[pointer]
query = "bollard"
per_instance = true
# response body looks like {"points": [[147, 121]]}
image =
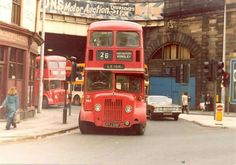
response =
{"points": [[219, 113]]}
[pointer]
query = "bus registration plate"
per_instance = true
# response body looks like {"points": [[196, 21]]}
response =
{"points": [[114, 66], [113, 125]]}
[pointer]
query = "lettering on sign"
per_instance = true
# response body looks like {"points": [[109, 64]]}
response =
{"points": [[124, 55], [103, 10], [104, 55], [114, 66]]}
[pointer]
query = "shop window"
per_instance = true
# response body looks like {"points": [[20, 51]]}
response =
{"points": [[31, 78], [1, 53], [13, 55], [32, 67], [16, 12], [16, 67], [12, 71]]}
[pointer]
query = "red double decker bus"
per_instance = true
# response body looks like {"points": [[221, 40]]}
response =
{"points": [[53, 79], [114, 95]]}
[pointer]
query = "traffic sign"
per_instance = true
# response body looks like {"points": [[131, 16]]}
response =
{"points": [[68, 68]]}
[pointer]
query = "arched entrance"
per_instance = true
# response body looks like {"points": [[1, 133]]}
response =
{"points": [[176, 63], [168, 56]]}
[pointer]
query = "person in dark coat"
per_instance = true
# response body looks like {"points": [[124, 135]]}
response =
{"points": [[207, 102], [11, 103]]}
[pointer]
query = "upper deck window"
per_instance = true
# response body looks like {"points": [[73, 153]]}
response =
{"points": [[127, 39], [101, 39]]}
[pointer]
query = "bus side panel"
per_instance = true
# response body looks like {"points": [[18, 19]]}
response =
{"points": [[140, 113]]}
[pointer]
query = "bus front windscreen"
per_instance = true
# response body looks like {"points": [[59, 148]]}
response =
{"points": [[99, 80], [128, 83], [127, 39]]}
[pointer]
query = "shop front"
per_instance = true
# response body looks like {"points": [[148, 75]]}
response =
{"points": [[18, 50]]}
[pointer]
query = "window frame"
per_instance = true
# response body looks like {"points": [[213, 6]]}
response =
{"points": [[16, 64], [16, 12]]}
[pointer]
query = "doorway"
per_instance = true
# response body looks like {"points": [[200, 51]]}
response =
{"points": [[167, 86]]}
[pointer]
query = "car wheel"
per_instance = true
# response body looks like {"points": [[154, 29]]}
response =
{"points": [[150, 116], [176, 117], [140, 129]]}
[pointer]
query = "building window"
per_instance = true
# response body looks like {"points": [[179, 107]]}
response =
{"points": [[31, 78], [16, 66], [172, 52], [16, 12]]}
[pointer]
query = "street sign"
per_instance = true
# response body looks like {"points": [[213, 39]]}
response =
{"points": [[68, 68]]}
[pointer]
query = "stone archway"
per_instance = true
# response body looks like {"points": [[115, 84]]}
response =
{"points": [[172, 37], [155, 40]]}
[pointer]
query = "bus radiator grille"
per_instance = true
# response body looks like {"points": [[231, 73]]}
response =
{"points": [[112, 110]]}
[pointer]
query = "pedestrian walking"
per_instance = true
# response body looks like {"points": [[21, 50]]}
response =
{"points": [[207, 102], [185, 103], [11, 103]]}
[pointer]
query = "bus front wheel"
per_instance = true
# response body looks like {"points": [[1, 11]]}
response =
{"points": [[82, 127], [85, 127], [140, 129]]}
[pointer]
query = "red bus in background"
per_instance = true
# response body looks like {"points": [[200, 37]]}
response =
{"points": [[53, 79], [114, 94]]}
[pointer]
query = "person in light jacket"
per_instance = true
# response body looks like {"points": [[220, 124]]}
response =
{"points": [[11, 103], [185, 103]]}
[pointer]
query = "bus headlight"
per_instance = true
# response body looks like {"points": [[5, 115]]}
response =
{"points": [[97, 107], [128, 109], [127, 123]]}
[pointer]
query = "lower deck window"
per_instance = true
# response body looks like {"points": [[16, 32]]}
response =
{"points": [[99, 80], [128, 83]]}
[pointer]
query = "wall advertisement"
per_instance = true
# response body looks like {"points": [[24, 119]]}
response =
{"points": [[104, 10]]}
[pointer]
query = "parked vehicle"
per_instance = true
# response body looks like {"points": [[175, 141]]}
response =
{"points": [[77, 91], [53, 80], [162, 106], [76, 87]]}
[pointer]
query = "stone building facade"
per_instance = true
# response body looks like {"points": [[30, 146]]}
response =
{"points": [[198, 27]]}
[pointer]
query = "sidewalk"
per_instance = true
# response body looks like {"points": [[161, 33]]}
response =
{"points": [[49, 122], [206, 119]]}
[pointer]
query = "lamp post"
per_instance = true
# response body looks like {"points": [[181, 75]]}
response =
{"points": [[223, 55], [40, 98]]}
